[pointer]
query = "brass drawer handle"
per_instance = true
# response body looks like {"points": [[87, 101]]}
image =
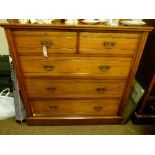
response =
{"points": [[54, 107], [47, 43], [51, 90], [97, 108], [100, 90], [104, 68], [48, 67], [109, 45]]}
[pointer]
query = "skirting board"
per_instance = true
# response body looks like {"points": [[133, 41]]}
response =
{"points": [[73, 120]]}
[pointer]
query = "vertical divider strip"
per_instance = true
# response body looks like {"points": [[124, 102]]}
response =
{"points": [[78, 42]]}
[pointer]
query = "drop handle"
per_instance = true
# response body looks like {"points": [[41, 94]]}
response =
{"points": [[100, 90], [54, 107], [104, 68], [97, 108], [47, 43], [48, 67], [51, 90], [109, 44]]}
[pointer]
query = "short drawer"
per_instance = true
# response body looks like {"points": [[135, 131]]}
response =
{"points": [[105, 67], [56, 42], [109, 43], [106, 107], [73, 88]]}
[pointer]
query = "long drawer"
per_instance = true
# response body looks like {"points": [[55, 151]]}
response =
{"points": [[56, 42], [105, 67], [106, 107], [73, 88]]}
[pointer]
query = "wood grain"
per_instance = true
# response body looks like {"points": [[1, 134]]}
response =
{"points": [[73, 88], [87, 76], [107, 107], [98, 43], [76, 66]]}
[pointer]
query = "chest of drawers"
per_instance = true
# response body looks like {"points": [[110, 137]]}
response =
{"points": [[87, 76]]}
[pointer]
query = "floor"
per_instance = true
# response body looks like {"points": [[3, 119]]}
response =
{"points": [[10, 127]]}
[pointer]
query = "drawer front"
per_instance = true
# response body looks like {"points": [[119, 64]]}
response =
{"points": [[56, 42], [106, 107], [105, 67], [128, 35], [73, 88], [109, 43]]}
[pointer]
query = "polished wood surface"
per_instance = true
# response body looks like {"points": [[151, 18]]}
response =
{"points": [[83, 120], [108, 43], [45, 33], [60, 42], [36, 42], [73, 88], [106, 34], [76, 66], [59, 108], [87, 76], [80, 27]]}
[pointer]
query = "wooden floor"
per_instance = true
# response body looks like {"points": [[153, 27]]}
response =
{"points": [[10, 127]]}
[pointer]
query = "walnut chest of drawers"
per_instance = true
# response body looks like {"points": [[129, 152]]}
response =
{"points": [[86, 76]]}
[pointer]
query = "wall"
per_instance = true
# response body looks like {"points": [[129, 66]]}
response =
{"points": [[4, 50]]}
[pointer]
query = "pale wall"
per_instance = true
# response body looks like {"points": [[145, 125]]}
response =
{"points": [[4, 50]]}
